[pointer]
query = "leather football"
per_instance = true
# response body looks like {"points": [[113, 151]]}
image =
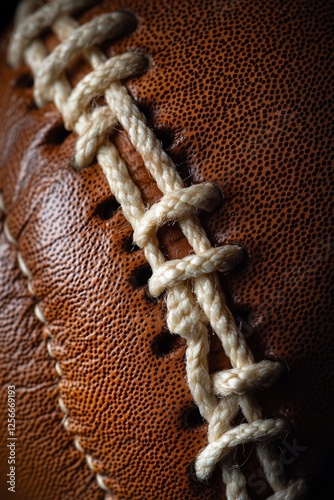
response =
{"points": [[166, 249]]}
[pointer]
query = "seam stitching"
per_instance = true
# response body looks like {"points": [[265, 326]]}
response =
{"points": [[40, 316], [191, 284]]}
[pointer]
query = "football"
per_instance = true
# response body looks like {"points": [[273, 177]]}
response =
{"points": [[166, 250]]}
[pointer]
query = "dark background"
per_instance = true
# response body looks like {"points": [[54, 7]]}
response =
{"points": [[7, 11]]}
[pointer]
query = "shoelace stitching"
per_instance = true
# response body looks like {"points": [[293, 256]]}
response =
{"points": [[191, 283]]}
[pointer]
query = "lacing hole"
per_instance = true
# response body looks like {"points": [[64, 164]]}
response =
{"points": [[147, 110], [192, 418], [291, 429], [285, 377], [131, 21], [217, 201], [246, 257], [141, 276], [166, 137], [129, 246], [172, 142], [32, 105], [167, 343], [57, 135], [24, 81], [107, 209], [243, 317]]}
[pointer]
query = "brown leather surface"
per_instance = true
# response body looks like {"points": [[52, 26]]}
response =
{"points": [[239, 93], [43, 449]]}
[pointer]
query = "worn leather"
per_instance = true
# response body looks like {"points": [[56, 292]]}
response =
{"points": [[239, 93]]}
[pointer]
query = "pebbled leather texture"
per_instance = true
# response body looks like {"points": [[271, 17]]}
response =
{"points": [[239, 94]]}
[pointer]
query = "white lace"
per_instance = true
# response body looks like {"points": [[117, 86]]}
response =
{"points": [[191, 283]]}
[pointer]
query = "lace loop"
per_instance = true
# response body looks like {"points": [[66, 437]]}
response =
{"points": [[176, 205], [245, 433], [238, 381], [173, 272], [98, 81], [31, 27], [98, 30]]}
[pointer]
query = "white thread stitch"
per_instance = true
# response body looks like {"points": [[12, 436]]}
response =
{"points": [[39, 314], [49, 348], [62, 406], [2, 205], [101, 483], [77, 444], [47, 331], [183, 304], [30, 289], [65, 423], [22, 265], [8, 235], [90, 462], [58, 369]]}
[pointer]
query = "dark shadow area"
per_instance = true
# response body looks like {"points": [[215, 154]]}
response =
{"points": [[7, 11]]}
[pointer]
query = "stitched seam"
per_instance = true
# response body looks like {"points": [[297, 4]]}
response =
{"points": [[40, 316], [191, 283]]}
